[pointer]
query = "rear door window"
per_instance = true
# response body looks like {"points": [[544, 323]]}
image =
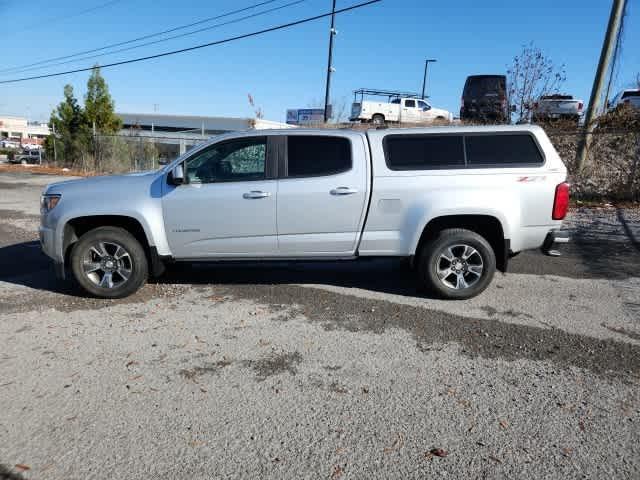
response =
{"points": [[500, 150], [423, 152], [315, 155], [410, 103]]}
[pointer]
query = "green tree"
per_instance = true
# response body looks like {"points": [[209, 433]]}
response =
{"points": [[99, 106], [71, 132]]}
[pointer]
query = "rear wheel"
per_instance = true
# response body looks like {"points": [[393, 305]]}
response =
{"points": [[377, 119], [109, 262], [456, 264]]}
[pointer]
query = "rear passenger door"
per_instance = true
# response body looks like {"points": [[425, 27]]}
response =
{"points": [[322, 192]]}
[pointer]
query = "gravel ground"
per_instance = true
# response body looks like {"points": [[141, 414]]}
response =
{"points": [[340, 370]]}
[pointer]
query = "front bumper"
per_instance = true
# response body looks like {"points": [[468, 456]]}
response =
{"points": [[552, 240], [47, 243]]}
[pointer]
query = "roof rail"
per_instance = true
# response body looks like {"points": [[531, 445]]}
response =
{"points": [[385, 93]]}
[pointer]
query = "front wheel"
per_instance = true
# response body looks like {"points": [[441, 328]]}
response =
{"points": [[109, 262], [456, 264]]}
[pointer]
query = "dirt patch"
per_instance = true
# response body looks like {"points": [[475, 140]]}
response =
{"points": [[44, 170], [13, 185], [7, 473], [207, 369], [66, 297], [16, 227], [623, 331], [492, 312], [274, 364], [487, 338]]}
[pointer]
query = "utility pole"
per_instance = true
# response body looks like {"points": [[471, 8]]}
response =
{"points": [[330, 68], [55, 152], [615, 19], [426, 67]]}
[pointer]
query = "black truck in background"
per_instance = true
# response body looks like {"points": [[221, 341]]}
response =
{"points": [[485, 99]]}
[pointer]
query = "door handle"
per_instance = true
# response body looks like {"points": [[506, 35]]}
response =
{"points": [[254, 194], [343, 191]]}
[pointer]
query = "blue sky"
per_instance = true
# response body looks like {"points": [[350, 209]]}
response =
{"points": [[380, 46]]}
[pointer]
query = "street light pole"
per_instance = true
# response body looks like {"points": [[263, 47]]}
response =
{"points": [[332, 33], [426, 67]]}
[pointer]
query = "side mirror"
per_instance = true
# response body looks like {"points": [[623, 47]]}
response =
{"points": [[176, 177], [426, 109], [512, 108]]}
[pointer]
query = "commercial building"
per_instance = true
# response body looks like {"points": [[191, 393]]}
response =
{"points": [[19, 129], [175, 134]]}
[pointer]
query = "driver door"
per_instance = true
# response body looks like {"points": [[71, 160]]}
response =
{"points": [[227, 206], [425, 111], [410, 113]]}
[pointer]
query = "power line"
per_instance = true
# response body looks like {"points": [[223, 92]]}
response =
{"points": [[217, 25], [196, 47], [144, 37]]}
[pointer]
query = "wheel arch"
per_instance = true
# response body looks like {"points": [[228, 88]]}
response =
{"points": [[488, 226], [75, 227]]}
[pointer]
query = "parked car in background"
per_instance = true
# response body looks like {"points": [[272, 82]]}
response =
{"points": [[485, 98], [9, 144], [28, 156], [557, 106], [629, 96], [456, 202], [31, 146], [399, 110]]}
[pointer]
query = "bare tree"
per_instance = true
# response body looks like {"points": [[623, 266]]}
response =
{"points": [[339, 108], [257, 110], [532, 75]]}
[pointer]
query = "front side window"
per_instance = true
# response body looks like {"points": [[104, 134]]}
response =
{"points": [[423, 105], [410, 103], [315, 155], [234, 161]]}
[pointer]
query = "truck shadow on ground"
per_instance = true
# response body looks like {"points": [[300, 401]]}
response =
{"points": [[25, 264]]}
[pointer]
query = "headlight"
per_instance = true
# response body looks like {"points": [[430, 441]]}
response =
{"points": [[48, 202]]}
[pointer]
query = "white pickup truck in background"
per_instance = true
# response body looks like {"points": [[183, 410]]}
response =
{"points": [[400, 110], [629, 97], [555, 107]]}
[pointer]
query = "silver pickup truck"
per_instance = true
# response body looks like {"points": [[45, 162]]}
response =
{"points": [[456, 201]]}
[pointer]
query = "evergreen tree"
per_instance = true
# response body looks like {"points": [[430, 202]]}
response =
{"points": [[71, 132], [99, 106]]}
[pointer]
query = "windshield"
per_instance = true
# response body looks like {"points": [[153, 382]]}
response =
{"points": [[485, 86]]}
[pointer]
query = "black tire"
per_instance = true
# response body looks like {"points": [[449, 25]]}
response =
{"points": [[377, 119], [85, 256], [431, 261]]}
